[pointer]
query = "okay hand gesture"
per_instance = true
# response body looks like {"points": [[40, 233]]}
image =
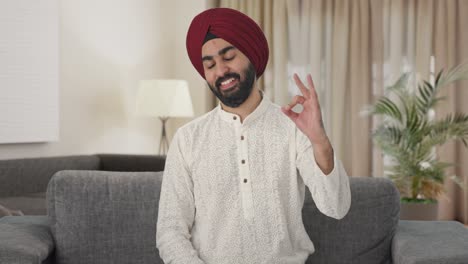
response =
{"points": [[309, 121]]}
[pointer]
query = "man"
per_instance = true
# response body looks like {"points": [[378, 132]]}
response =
{"points": [[234, 181]]}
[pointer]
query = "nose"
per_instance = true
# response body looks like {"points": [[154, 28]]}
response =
{"points": [[221, 69]]}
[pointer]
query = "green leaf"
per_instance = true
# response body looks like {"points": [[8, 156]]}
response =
{"points": [[438, 77], [408, 200], [408, 137], [386, 107]]}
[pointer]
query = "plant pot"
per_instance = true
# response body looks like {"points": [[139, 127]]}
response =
{"points": [[418, 211]]}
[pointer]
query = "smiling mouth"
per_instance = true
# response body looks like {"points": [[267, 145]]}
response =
{"points": [[230, 90], [228, 84]]}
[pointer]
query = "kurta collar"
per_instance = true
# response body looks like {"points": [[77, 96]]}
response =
{"points": [[233, 118]]}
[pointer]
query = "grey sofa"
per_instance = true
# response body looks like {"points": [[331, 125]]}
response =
{"points": [[23, 182], [110, 217]]}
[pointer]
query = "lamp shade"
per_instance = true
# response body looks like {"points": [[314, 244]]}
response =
{"points": [[164, 98]]}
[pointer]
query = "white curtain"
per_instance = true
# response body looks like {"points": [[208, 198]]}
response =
{"points": [[332, 41]]}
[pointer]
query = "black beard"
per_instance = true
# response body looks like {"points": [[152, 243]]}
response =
{"points": [[238, 97]]}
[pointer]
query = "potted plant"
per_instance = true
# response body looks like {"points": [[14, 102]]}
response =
{"points": [[408, 135]]}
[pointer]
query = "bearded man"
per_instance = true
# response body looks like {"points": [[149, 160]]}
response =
{"points": [[234, 181]]}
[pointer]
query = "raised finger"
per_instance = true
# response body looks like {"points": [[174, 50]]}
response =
{"points": [[313, 91], [301, 86]]}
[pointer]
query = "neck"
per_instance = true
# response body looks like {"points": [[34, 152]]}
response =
{"points": [[247, 107]]}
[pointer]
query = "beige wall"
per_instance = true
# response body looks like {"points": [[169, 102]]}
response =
{"points": [[183, 12], [106, 47]]}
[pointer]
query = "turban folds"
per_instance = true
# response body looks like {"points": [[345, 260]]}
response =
{"points": [[234, 27]]}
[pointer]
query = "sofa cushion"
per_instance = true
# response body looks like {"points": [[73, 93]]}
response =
{"points": [[25, 239], [104, 217], [364, 235], [430, 242]]}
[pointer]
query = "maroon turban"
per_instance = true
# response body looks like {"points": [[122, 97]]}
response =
{"points": [[232, 26]]}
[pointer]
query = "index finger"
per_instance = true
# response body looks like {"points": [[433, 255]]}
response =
{"points": [[313, 91], [301, 86]]}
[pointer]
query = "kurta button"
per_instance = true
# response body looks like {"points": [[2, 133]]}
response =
{"points": [[242, 137], [243, 161], [234, 117], [245, 180]]}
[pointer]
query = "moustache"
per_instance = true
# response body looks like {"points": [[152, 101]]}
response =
{"points": [[226, 77]]}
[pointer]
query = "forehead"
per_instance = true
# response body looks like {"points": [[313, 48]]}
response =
{"points": [[213, 46]]}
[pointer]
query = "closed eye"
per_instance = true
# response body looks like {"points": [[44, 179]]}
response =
{"points": [[226, 59]]}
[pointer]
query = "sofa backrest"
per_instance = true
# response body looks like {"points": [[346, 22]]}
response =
{"points": [[364, 235], [31, 175], [110, 217], [104, 217]]}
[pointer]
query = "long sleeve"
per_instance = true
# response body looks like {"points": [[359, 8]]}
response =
{"points": [[331, 193], [176, 209]]}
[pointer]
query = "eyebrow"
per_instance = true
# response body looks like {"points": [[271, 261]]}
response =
{"points": [[221, 52]]}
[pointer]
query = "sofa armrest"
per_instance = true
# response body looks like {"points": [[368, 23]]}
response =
{"points": [[430, 242], [131, 162], [25, 239]]}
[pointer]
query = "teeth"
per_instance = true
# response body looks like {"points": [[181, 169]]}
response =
{"points": [[227, 81]]}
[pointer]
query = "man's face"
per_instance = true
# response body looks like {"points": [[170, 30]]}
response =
{"points": [[228, 72]]}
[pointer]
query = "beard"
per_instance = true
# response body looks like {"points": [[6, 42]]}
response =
{"points": [[239, 94]]}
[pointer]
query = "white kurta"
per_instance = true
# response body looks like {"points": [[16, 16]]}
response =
{"points": [[233, 192]]}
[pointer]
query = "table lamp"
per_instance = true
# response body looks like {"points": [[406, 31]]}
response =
{"points": [[164, 99]]}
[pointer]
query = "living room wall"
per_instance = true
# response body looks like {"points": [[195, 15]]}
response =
{"points": [[106, 47]]}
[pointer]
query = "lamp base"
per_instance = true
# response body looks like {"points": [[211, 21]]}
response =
{"points": [[163, 143]]}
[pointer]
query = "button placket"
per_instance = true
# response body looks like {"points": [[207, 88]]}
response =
{"points": [[245, 183], [243, 147]]}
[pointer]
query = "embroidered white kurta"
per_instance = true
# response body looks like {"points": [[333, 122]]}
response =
{"points": [[233, 192]]}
